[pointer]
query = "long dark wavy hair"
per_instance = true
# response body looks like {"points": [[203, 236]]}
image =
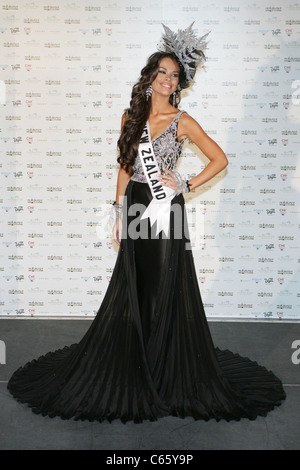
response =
{"points": [[138, 112]]}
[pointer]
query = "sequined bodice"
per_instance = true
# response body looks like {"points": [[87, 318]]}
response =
{"points": [[167, 150]]}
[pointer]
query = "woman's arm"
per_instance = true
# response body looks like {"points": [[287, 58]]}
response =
{"points": [[122, 182], [123, 177], [188, 127]]}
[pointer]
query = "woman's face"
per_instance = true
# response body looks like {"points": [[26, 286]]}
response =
{"points": [[167, 78]]}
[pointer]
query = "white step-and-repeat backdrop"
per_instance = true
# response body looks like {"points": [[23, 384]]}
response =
{"points": [[67, 69]]}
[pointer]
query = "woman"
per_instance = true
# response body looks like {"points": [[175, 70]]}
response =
{"points": [[149, 352]]}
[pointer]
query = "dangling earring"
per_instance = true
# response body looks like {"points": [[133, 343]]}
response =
{"points": [[148, 92], [174, 99]]}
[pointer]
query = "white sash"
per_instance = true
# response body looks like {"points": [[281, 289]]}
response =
{"points": [[159, 208]]}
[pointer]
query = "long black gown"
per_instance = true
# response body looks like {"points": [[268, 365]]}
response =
{"points": [[148, 353]]}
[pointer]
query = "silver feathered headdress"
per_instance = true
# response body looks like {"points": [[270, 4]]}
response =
{"points": [[187, 48]]}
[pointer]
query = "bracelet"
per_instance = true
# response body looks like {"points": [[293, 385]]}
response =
{"points": [[117, 206], [117, 209], [188, 185]]}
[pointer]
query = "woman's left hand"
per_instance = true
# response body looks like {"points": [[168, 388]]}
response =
{"points": [[174, 180], [169, 179]]}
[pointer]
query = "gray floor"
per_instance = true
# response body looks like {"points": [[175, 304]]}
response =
{"points": [[268, 343]]}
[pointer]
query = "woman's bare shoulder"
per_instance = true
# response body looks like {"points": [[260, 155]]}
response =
{"points": [[186, 124], [186, 119]]}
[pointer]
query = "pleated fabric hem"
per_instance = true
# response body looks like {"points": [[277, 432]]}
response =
{"points": [[252, 380]]}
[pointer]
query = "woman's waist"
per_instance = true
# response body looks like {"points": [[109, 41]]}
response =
{"points": [[140, 177]]}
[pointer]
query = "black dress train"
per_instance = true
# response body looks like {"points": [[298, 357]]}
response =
{"points": [[148, 353]]}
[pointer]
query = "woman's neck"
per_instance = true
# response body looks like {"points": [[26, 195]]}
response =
{"points": [[160, 105]]}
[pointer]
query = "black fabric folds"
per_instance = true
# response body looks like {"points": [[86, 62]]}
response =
{"points": [[148, 353]]}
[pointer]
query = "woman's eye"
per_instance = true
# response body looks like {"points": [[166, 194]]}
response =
{"points": [[176, 75]]}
